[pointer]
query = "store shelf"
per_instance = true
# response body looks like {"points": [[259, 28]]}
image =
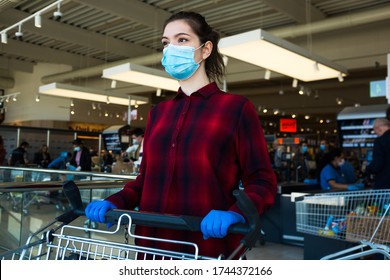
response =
{"points": [[361, 136], [356, 128], [357, 132], [352, 127], [358, 145]]}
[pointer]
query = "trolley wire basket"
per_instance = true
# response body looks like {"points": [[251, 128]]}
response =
{"points": [[61, 241], [360, 217]]}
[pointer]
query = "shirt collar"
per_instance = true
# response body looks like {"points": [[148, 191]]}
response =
{"points": [[206, 91]]}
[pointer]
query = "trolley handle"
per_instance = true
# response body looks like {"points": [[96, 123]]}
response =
{"points": [[185, 222], [251, 230]]}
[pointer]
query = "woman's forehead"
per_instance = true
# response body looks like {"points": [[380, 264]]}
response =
{"points": [[176, 28]]}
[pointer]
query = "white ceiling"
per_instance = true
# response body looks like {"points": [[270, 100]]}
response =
{"points": [[94, 34]]}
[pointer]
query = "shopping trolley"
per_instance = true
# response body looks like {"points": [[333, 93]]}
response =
{"points": [[65, 241], [360, 217]]}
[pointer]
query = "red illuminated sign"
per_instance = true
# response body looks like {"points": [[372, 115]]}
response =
{"points": [[288, 125]]}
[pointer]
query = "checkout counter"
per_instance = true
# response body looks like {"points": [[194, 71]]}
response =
{"points": [[279, 223]]}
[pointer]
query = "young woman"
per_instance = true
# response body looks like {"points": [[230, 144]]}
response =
{"points": [[42, 158], [197, 147]]}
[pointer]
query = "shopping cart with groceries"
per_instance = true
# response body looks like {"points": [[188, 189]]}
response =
{"points": [[59, 240], [361, 217]]}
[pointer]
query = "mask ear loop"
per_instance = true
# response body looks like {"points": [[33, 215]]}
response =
{"points": [[201, 46]]}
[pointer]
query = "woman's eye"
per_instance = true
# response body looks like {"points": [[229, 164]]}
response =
{"points": [[164, 43], [182, 40]]}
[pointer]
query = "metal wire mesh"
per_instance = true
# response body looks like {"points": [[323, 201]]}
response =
{"points": [[350, 216], [33, 250], [73, 243]]}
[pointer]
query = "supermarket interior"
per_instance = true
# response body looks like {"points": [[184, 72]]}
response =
{"points": [[81, 77]]}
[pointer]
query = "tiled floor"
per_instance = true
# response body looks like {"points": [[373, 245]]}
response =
{"points": [[275, 251]]}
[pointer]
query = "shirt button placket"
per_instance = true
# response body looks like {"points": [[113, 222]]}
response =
{"points": [[180, 122], [173, 149]]}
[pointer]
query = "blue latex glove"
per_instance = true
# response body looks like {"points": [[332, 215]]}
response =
{"points": [[70, 167], [355, 187], [217, 222], [96, 210], [360, 185], [310, 181]]}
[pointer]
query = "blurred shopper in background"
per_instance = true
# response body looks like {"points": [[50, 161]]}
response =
{"points": [[321, 157], [107, 161], [134, 151], [59, 163], [81, 158], [279, 165], [333, 175], [19, 156], [300, 162], [380, 164], [3, 152], [42, 158]]}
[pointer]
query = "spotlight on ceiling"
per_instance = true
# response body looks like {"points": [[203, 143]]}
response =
{"points": [[340, 77], [267, 74], [295, 83], [57, 14], [19, 33], [38, 21], [4, 38]]}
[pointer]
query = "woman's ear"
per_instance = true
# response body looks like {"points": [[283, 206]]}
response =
{"points": [[206, 50]]}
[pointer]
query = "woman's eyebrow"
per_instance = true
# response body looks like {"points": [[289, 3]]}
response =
{"points": [[177, 35]]}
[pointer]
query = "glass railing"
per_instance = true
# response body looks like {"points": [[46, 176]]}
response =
{"points": [[30, 198], [27, 174]]}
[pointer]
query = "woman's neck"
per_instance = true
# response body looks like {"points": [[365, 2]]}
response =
{"points": [[197, 81]]}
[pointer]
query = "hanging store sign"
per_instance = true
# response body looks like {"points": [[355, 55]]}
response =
{"points": [[288, 125]]}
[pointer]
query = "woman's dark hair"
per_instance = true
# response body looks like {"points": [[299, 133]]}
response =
{"points": [[215, 67], [388, 113]]}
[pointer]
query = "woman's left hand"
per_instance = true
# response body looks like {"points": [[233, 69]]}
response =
{"points": [[216, 223]]}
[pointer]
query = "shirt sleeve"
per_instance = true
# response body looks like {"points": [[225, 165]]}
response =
{"points": [[327, 174], [258, 178], [132, 149]]}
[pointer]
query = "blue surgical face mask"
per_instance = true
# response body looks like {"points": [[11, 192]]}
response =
{"points": [[77, 149], [179, 62], [135, 142], [304, 149], [322, 147]]}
